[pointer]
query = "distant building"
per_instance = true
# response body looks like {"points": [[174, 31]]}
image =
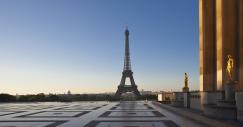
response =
{"points": [[165, 96], [142, 92]]}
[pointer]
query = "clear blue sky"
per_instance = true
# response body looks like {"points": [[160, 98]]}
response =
{"points": [[78, 45]]}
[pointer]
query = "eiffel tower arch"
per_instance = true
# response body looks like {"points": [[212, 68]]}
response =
{"points": [[127, 73]]}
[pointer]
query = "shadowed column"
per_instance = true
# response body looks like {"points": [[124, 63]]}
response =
{"points": [[207, 45], [240, 85], [227, 38]]}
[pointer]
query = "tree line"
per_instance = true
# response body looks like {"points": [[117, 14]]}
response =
{"points": [[41, 97]]}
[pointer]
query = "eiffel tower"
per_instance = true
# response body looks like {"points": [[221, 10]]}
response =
{"points": [[127, 72]]}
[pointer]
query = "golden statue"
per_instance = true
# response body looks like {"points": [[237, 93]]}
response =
{"points": [[230, 66], [186, 80], [185, 88]]}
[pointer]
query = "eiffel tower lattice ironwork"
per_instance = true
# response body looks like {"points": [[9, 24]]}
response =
{"points": [[127, 72]]}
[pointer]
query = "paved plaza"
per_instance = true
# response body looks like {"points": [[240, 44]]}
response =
{"points": [[90, 114]]}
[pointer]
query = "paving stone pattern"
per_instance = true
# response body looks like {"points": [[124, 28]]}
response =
{"points": [[88, 114]]}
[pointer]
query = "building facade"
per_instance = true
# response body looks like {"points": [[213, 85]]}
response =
{"points": [[221, 36]]}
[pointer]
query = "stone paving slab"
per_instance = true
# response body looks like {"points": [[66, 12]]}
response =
{"points": [[31, 123], [162, 123], [4, 113], [89, 114], [132, 114], [54, 114]]}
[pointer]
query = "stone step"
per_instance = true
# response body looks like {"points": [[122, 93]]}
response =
{"points": [[220, 112], [177, 103], [224, 103], [208, 122]]}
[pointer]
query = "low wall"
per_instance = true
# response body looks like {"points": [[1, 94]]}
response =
{"points": [[177, 99], [178, 96], [195, 100], [210, 97]]}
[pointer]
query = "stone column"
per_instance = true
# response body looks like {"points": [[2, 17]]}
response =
{"points": [[207, 45], [240, 85], [227, 38], [239, 93], [219, 44]]}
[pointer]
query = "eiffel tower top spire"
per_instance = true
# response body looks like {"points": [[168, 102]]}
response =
{"points": [[127, 61]]}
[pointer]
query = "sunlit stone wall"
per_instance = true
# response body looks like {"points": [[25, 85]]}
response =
{"points": [[220, 29]]}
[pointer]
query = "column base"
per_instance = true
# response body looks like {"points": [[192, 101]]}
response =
{"points": [[239, 104]]}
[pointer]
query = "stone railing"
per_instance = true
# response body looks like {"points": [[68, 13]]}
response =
{"points": [[195, 100]]}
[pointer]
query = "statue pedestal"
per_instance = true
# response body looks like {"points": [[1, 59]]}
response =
{"points": [[185, 89], [230, 91]]}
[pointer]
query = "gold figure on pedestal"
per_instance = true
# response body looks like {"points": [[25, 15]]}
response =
{"points": [[230, 84], [186, 80], [230, 67], [185, 88]]}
